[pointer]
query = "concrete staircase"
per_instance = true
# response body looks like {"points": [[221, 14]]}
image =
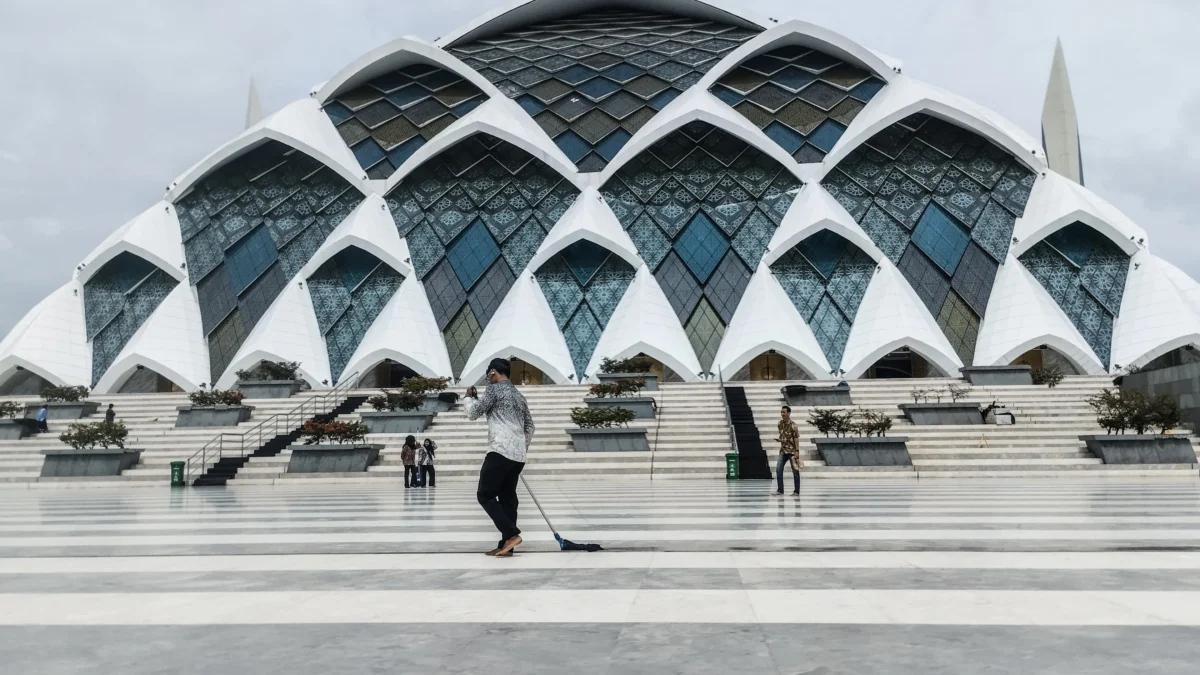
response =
{"points": [[1043, 443]]}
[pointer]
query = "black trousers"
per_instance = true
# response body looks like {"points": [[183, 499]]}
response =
{"points": [[428, 476], [411, 477], [497, 492]]}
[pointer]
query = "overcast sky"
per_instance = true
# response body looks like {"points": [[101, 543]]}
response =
{"points": [[106, 102]]}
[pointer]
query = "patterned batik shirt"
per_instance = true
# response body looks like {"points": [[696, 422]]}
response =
{"points": [[789, 442], [510, 426]]}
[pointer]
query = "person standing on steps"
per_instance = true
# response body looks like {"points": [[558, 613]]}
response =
{"points": [[110, 415], [426, 463], [510, 431], [789, 449], [41, 416], [408, 455]]}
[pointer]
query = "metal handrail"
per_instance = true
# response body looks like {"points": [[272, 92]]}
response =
{"points": [[728, 419], [227, 444]]}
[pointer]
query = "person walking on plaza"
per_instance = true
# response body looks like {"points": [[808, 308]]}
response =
{"points": [[110, 415], [408, 455], [789, 449], [426, 463], [510, 431]]}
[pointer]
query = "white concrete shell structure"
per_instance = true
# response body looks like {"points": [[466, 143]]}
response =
{"points": [[569, 180]]}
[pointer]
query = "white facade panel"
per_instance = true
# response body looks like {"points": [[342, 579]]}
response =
{"points": [[51, 340], [588, 218], [405, 332], [287, 332], [1056, 201], [1155, 316]]}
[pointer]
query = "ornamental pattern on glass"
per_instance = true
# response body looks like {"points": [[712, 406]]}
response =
{"points": [[389, 118], [941, 203], [473, 217], [826, 277], [1085, 273], [117, 300], [583, 285], [248, 227], [348, 293], [801, 98], [593, 80], [701, 206]]}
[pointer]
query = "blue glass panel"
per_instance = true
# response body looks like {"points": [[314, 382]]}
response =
{"points": [[338, 113], [249, 258], [368, 153], [793, 78], [867, 90], [612, 144], [785, 136], [623, 72], [472, 253], [402, 152], [584, 258], [597, 88], [832, 330], [1075, 241], [661, 100], [582, 334], [942, 239], [701, 246], [823, 250], [354, 264], [728, 95], [575, 74], [462, 109], [827, 135], [531, 104], [408, 95], [573, 145]]}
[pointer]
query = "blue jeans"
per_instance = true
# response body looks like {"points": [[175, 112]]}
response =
{"points": [[784, 462]]}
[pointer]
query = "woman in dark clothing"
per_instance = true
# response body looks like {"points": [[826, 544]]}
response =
{"points": [[408, 455], [427, 474]]}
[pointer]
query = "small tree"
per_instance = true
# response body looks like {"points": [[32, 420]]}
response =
{"points": [[823, 420], [1165, 413], [64, 394], [272, 371], [626, 386], [957, 393], [425, 385], [87, 436], [10, 409], [317, 432], [601, 418], [214, 397], [636, 364], [1110, 411], [1050, 377], [390, 401], [873, 423], [919, 395]]}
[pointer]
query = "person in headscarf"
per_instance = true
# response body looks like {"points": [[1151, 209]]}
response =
{"points": [[408, 455], [428, 478]]}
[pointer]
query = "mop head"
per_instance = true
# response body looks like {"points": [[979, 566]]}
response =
{"points": [[568, 545]]}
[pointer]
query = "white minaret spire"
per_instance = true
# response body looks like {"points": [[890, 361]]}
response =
{"points": [[253, 108], [1060, 125]]}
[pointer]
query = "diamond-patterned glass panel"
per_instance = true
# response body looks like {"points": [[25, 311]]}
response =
{"points": [[827, 299], [270, 203], [805, 111], [461, 335], [474, 216], [117, 300], [1089, 293], [705, 331], [934, 197], [597, 77], [961, 326], [348, 293]]}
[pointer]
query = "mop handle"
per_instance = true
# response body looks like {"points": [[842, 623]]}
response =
{"points": [[539, 506]]}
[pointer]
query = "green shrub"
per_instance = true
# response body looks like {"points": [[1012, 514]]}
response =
{"points": [[391, 400], [844, 423], [1050, 377], [626, 386], [872, 423], [87, 436], [425, 385], [270, 371], [1120, 409], [10, 409], [64, 394], [601, 418], [636, 364], [334, 431], [204, 398]]}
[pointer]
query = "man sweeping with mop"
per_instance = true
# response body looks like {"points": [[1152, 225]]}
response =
{"points": [[510, 431]]}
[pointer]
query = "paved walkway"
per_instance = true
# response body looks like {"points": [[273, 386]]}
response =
{"points": [[962, 577]]}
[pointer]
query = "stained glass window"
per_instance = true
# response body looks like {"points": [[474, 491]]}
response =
{"points": [[117, 300]]}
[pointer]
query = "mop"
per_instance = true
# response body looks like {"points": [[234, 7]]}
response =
{"points": [[563, 544]]}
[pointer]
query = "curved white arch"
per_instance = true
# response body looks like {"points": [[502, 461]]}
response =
{"points": [[369, 227], [694, 105], [287, 332], [153, 236], [170, 342], [301, 125], [892, 316], [766, 319], [519, 13], [1083, 363], [644, 322], [794, 32], [405, 332], [815, 210], [1156, 317], [1056, 201], [906, 96], [588, 218], [500, 118], [523, 326], [51, 339], [399, 53], [11, 365], [120, 372]]}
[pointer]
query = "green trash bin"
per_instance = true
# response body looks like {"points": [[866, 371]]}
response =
{"points": [[732, 471], [177, 479]]}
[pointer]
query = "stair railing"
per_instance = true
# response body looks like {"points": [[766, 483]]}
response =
{"points": [[728, 419], [227, 444]]}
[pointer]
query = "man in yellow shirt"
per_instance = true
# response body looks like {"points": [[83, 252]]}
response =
{"points": [[789, 449]]}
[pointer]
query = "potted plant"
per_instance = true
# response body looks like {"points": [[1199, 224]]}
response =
{"points": [[803, 395], [622, 393], [1119, 410], [858, 438], [606, 430], [1050, 377], [432, 391], [921, 411], [398, 412], [11, 426], [333, 446], [84, 458], [637, 367], [213, 408], [270, 379], [64, 403]]}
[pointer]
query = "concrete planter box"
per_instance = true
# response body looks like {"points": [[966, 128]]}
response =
{"points": [[15, 429], [860, 451], [998, 375], [942, 413], [192, 416], [1141, 449], [64, 410], [398, 421], [269, 388], [642, 406], [650, 378], [434, 403], [801, 395], [92, 463], [617, 439], [352, 458]]}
